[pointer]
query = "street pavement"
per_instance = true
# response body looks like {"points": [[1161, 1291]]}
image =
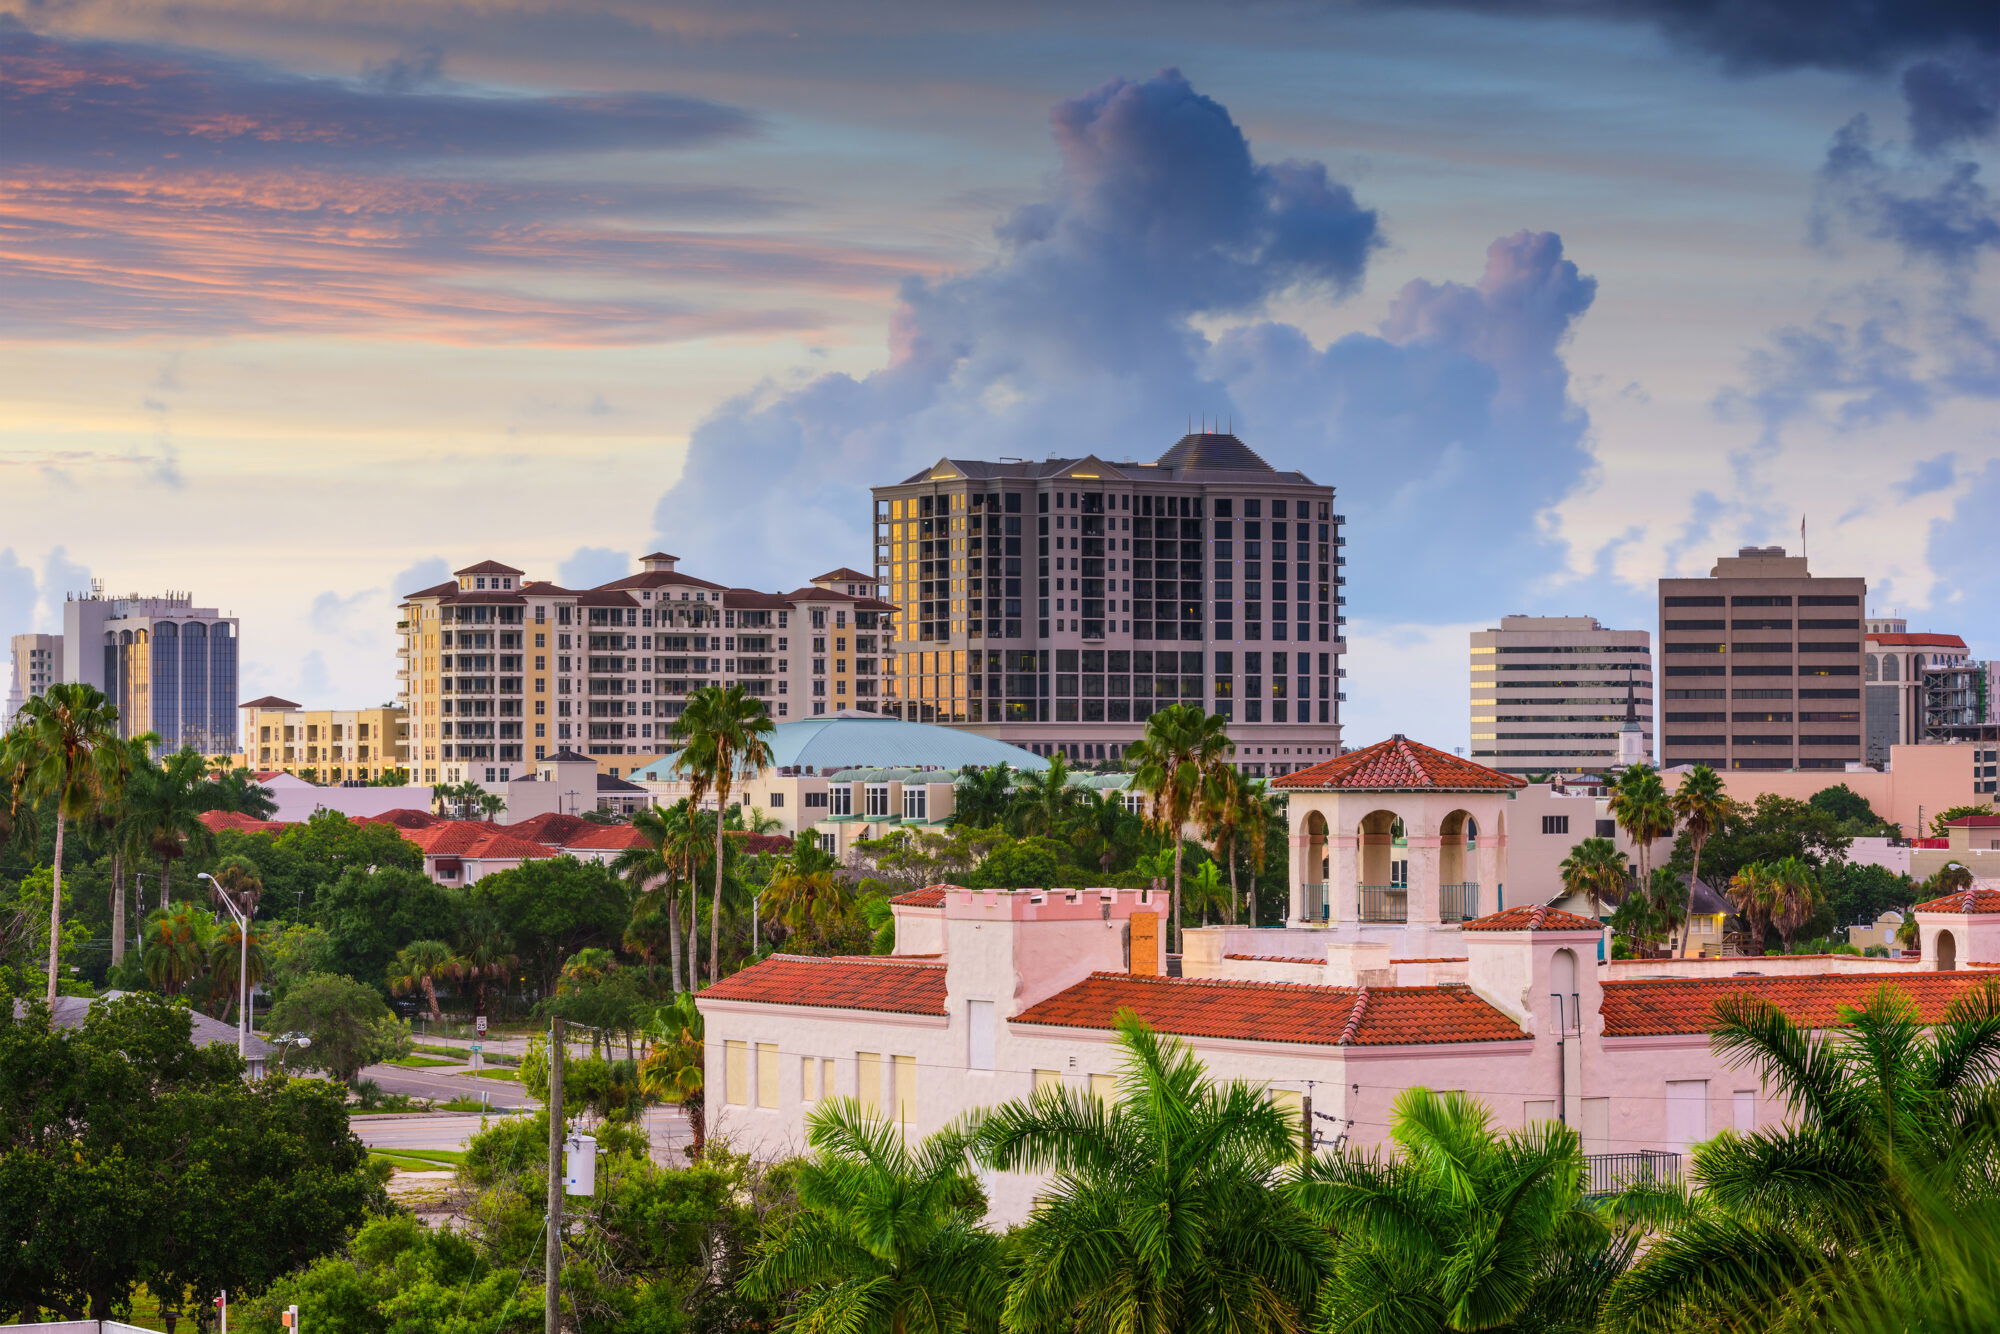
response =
{"points": [[666, 1128], [443, 1083]]}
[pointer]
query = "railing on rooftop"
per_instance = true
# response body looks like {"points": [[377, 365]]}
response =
{"points": [[1385, 903], [1316, 903], [1610, 1173], [1458, 903]]}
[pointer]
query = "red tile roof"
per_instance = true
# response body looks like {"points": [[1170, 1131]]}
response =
{"points": [[1279, 1011], [612, 836], [477, 839], [1964, 900], [845, 575], [930, 896], [403, 817], [1640, 1008], [488, 567], [554, 828], [268, 702], [885, 983], [1535, 917], [1398, 765], [1974, 822], [217, 821], [1917, 641]]}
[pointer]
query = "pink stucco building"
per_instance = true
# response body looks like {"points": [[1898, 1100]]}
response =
{"points": [[1408, 959]]}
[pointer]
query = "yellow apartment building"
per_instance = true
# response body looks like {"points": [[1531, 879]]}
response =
{"points": [[322, 745]]}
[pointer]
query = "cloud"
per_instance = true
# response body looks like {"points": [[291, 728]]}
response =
{"points": [[415, 67], [1929, 475], [1962, 554], [426, 573], [31, 603], [1951, 102], [19, 594], [1081, 336], [588, 567], [107, 103]]}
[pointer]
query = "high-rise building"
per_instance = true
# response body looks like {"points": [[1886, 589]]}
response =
{"points": [[1058, 604], [1925, 688], [169, 666], [37, 665], [1760, 666], [499, 670], [1549, 694], [322, 745]]}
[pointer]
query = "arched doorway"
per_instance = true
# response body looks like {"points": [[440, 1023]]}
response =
{"points": [[1385, 868], [1458, 889], [1947, 953], [1314, 874]]}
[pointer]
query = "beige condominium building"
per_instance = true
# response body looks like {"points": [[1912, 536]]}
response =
{"points": [[1057, 604], [1549, 694], [37, 665], [322, 745], [1761, 666], [498, 670]]}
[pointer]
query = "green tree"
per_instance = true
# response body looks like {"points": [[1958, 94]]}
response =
{"points": [[175, 946], [675, 1068], [1027, 863], [806, 891], [887, 1238], [1172, 764], [1044, 802], [1166, 1210], [162, 808], [1793, 896], [1225, 811], [1754, 896], [1640, 805], [1886, 1125], [418, 966], [983, 797], [1700, 806], [1847, 806], [1464, 1228], [349, 1025], [238, 790], [725, 734], [554, 907], [63, 749], [652, 870], [1597, 871], [161, 1164], [369, 916], [1941, 821], [1769, 830], [485, 950]]}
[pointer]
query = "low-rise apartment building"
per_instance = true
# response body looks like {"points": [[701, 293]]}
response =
{"points": [[499, 671], [327, 746], [37, 663]]}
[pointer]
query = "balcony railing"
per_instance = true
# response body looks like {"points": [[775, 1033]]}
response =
{"points": [[1610, 1173], [1316, 904], [1385, 903], [1458, 903]]}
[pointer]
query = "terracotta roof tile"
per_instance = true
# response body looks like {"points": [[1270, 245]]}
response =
{"points": [[1965, 901], [1279, 1011], [1653, 1006], [554, 828], [403, 817], [505, 847], [488, 567], [217, 821], [1533, 917], [1398, 765], [269, 702], [1974, 822], [844, 575], [1916, 641], [612, 836], [930, 896], [448, 837], [883, 983]]}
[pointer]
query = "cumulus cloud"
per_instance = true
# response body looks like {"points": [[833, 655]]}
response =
{"points": [[587, 567], [1087, 335], [1965, 553], [32, 602]]}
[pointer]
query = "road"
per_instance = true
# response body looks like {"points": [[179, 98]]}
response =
{"points": [[441, 1085], [666, 1128]]}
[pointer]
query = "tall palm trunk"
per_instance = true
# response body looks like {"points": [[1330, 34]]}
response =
{"points": [[117, 908], [55, 900], [1235, 905], [1687, 909], [1180, 849], [431, 998], [166, 873], [694, 935], [715, 902], [674, 939]]}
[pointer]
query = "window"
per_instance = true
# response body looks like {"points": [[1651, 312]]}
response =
{"points": [[1046, 1079], [904, 1072], [916, 802], [878, 800], [809, 1079], [1104, 1088], [979, 1031], [868, 1080], [767, 1074], [1555, 824], [1694, 602], [840, 799], [736, 1074]]}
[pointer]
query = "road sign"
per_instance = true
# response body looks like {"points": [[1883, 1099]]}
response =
{"points": [[479, 1025], [478, 1047]]}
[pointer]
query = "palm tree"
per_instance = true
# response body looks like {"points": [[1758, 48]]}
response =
{"points": [[650, 869], [1166, 1210], [1643, 810], [418, 966], [1464, 1228], [176, 945], [887, 1237], [1701, 807], [1755, 900], [1108, 826], [1596, 870], [1886, 1128], [238, 790], [1794, 896], [723, 731], [1044, 801], [1182, 747], [164, 804], [485, 953], [135, 754], [1950, 879], [1208, 892], [674, 1069], [1224, 811], [983, 797], [229, 965], [64, 749], [1260, 817], [804, 890], [652, 931], [238, 878]]}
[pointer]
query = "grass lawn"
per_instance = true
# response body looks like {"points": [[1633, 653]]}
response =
{"points": [[423, 1062], [470, 1105], [512, 1076], [420, 1160]]}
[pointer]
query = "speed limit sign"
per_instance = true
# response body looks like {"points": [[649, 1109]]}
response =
{"points": [[479, 1024]]}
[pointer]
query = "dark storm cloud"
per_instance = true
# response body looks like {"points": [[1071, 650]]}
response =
{"points": [[75, 101]]}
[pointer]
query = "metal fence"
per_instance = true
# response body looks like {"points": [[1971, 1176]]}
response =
{"points": [[1316, 905], [1458, 903], [1385, 903], [1609, 1173]]}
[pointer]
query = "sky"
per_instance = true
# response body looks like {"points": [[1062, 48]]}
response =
{"points": [[305, 305]]}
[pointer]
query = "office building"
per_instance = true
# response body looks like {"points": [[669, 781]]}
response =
{"points": [[499, 670], [1925, 689], [1057, 604], [322, 745], [1550, 695], [1760, 666], [37, 664], [168, 665]]}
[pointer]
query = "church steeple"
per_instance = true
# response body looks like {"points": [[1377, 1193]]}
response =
{"points": [[1631, 737]]}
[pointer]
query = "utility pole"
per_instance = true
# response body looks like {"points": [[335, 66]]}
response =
{"points": [[1306, 1123], [552, 1279]]}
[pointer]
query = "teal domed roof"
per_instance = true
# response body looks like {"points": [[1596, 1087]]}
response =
{"points": [[870, 741]]}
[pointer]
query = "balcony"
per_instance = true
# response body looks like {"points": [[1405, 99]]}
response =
{"points": [[1316, 905], [1607, 1174], [1385, 903], [1458, 903]]}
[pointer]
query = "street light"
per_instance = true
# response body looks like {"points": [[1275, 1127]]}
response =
{"points": [[243, 964]]}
